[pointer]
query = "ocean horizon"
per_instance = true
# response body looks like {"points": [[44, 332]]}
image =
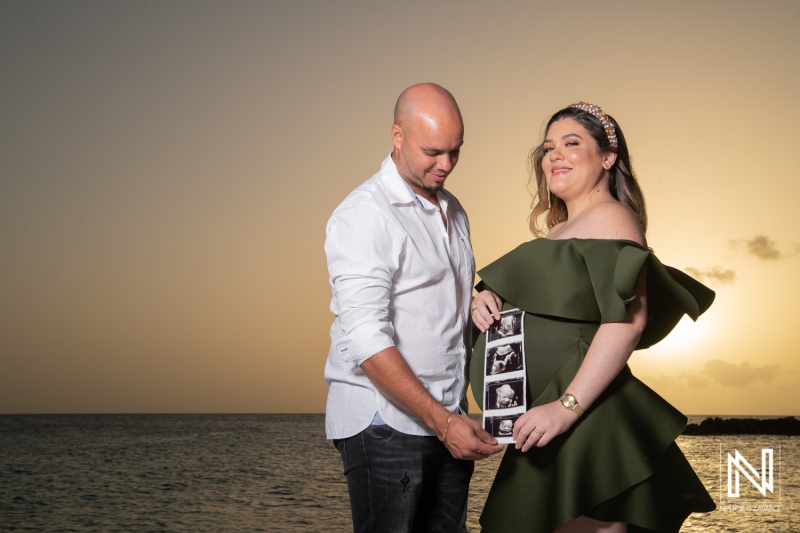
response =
{"points": [[273, 472]]}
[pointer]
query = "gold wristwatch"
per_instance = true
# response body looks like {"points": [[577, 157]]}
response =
{"points": [[571, 404]]}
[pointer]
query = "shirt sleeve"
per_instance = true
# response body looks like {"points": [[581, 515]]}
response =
{"points": [[363, 247]]}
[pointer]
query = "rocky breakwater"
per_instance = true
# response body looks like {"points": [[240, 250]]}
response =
{"points": [[745, 426]]}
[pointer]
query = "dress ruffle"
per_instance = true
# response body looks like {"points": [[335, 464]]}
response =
{"points": [[618, 462], [608, 269]]}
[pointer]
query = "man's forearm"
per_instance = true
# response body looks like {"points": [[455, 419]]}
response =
{"points": [[392, 376]]}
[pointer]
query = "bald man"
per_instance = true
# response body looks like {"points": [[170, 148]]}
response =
{"points": [[401, 271]]}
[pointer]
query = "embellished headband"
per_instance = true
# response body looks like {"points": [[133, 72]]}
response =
{"points": [[596, 112]]}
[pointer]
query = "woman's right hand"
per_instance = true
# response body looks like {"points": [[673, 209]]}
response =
{"points": [[486, 307], [541, 424]]}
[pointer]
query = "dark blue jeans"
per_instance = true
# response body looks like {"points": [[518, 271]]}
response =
{"points": [[402, 483]]}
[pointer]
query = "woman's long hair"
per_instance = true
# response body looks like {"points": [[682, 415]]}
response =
{"points": [[623, 184]]}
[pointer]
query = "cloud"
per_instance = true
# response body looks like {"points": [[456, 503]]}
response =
{"points": [[663, 381], [719, 373], [717, 274], [694, 380], [741, 375], [764, 248]]}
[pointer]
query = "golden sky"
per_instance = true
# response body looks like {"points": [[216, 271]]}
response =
{"points": [[167, 169]]}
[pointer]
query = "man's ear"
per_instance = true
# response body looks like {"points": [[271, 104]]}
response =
{"points": [[397, 136], [609, 159]]}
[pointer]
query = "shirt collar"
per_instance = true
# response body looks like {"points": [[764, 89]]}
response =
{"points": [[400, 192], [417, 199]]}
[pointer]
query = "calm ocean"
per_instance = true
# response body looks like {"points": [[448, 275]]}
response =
{"points": [[220, 473]]}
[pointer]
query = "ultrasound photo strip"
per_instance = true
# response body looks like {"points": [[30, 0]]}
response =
{"points": [[504, 379]]}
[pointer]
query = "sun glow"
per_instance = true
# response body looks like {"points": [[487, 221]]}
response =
{"points": [[688, 338]]}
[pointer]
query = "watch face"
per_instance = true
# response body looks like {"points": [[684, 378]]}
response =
{"points": [[568, 401]]}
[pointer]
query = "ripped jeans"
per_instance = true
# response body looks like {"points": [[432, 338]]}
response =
{"points": [[402, 483]]}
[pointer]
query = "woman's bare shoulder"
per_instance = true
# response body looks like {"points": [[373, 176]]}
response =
{"points": [[613, 220]]}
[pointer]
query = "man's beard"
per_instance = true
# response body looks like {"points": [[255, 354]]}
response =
{"points": [[433, 189]]}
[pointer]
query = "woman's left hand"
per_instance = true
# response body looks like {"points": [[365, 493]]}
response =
{"points": [[541, 424], [486, 307]]}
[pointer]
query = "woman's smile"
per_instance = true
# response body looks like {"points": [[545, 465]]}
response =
{"points": [[557, 171]]}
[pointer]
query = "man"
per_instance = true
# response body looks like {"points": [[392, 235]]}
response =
{"points": [[401, 271]]}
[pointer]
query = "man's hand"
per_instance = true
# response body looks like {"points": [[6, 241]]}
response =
{"points": [[391, 375], [466, 439]]}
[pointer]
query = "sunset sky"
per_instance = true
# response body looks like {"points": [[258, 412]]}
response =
{"points": [[167, 170]]}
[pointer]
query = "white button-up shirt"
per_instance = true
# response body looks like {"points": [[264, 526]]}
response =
{"points": [[399, 277]]}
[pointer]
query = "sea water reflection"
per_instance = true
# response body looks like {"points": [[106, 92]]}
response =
{"points": [[255, 473]]}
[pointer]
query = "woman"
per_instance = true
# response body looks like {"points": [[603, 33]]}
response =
{"points": [[596, 450]]}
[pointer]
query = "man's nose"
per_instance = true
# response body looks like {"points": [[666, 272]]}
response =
{"points": [[445, 162]]}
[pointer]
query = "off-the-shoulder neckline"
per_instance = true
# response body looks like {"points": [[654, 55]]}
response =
{"points": [[579, 239]]}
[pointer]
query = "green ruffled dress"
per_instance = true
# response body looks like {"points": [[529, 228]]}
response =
{"points": [[619, 461]]}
